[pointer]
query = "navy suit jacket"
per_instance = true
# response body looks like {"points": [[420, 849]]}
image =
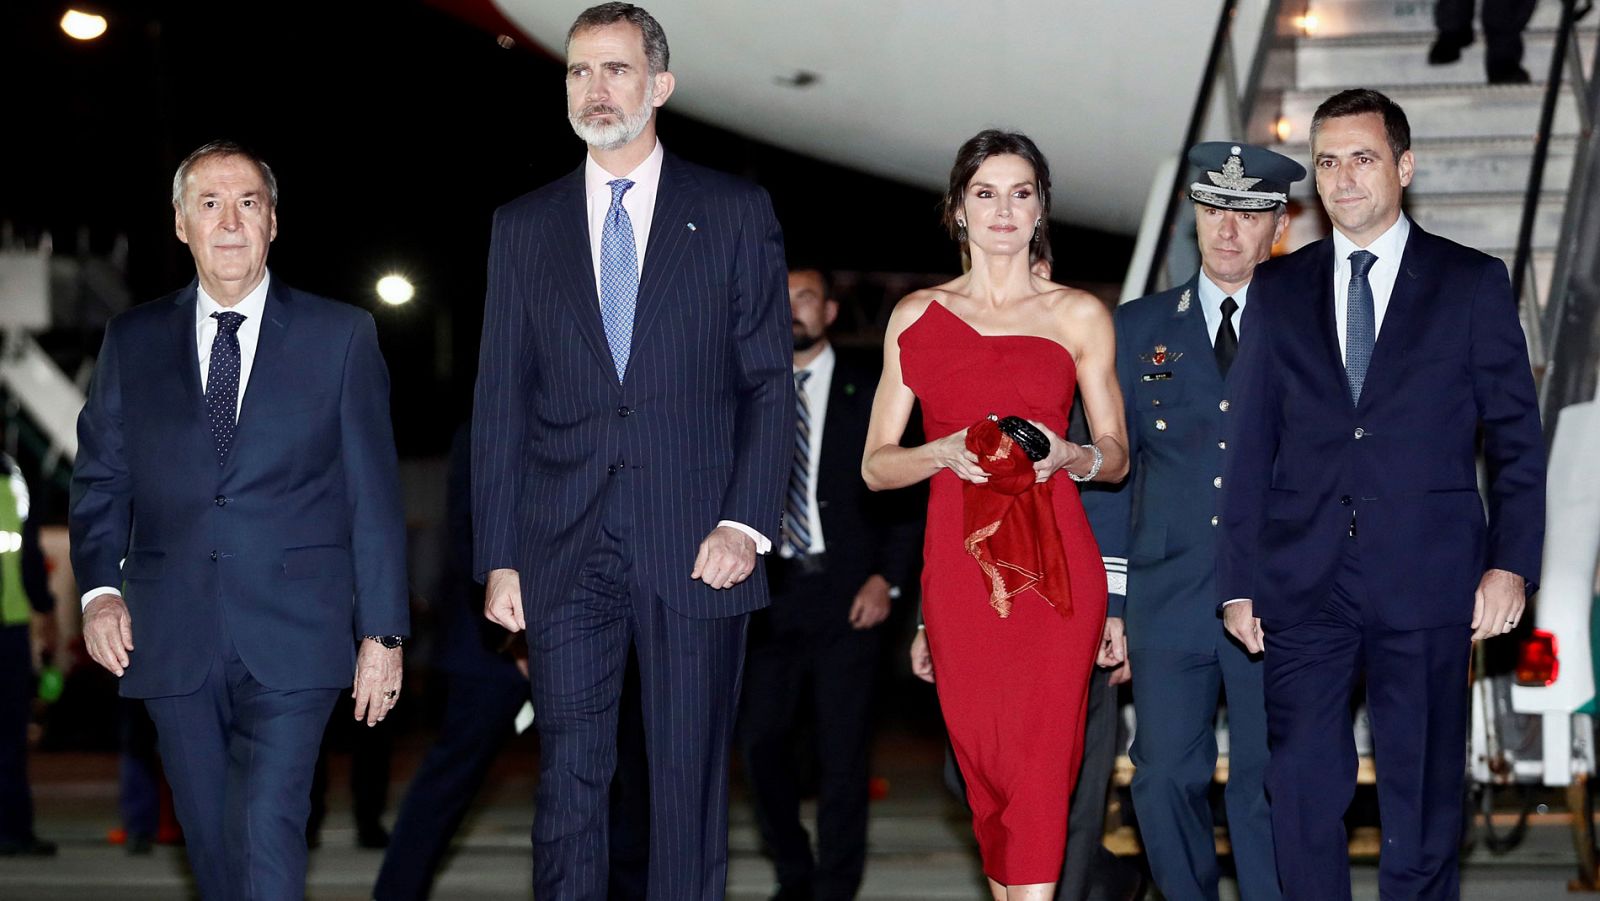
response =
{"points": [[1449, 374], [1161, 521], [703, 423], [297, 540]]}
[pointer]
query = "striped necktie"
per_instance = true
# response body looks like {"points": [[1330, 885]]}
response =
{"points": [[1360, 323], [619, 277], [797, 509]]}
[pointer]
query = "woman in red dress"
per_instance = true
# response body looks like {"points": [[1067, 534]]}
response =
{"points": [[1013, 641]]}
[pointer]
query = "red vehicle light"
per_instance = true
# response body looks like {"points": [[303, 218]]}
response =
{"points": [[1537, 660]]}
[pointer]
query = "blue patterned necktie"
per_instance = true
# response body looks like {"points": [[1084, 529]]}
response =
{"points": [[1360, 323], [222, 382], [619, 277], [797, 508]]}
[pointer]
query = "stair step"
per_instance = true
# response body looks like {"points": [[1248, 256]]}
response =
{"points": [[1338, 18], [1338, 63], [1451, 111], [1470, 166], [1476, 220]]}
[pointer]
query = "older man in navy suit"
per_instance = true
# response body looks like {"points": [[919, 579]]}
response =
{"points": [[631, 439], [236, 503], [1175, 351], [1379, 362]]}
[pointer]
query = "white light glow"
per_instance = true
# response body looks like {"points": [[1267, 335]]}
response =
{"points": [[395, 290], [83, 26]]}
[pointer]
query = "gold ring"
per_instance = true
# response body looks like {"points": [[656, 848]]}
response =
{"points": [[390, 694]]}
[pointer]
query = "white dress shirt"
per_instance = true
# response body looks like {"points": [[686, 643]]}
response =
{"points": [[640, 202], [252, 307], [1388, 248], [1211, 298], [817, 387]]}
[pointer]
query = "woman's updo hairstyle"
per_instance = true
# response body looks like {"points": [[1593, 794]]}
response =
{"points": [[981, 146]]}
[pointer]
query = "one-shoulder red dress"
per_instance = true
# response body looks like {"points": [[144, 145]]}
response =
{"points": [[1012, 689]]}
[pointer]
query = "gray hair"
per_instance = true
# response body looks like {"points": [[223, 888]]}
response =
{"points": [[214, 150], [656, 54]]}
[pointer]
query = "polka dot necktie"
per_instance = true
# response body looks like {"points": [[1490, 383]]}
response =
{"points": [[619, 277], [1360, 322], [222, 382]]}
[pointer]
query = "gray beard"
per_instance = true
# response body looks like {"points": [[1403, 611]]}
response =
{"points": [[617, 134]]}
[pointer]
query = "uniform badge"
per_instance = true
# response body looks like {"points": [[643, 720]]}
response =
{"points": [[1160, 356], [1183, 301]]}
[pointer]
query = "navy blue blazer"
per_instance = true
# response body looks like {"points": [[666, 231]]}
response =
{"points": [[703, 423], [1449, 374], [1161, 521], [297, 540]]}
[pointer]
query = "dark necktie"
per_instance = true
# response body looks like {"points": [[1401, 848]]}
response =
{"points": [[1360, 323], [1227, 343], [222, 382], [619, 277], [797, 506]]}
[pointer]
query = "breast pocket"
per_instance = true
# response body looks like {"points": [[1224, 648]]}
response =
{"points": [[1157, 390]]}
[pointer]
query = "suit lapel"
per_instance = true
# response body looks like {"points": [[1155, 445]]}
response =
{"points": [[568, 234], [670, 237], [1320, 292], [843, 395], [1400, 317], [266, 367], [1193, 334], [184, 346]]}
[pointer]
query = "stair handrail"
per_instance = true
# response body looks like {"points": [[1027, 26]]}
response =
{"points": [[1242, 97]]}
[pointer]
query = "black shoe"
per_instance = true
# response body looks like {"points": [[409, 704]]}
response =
{"points": [[1508, 73], [140, 844], [793, 893], [30, 847], [1447, 47], [372, 836]]}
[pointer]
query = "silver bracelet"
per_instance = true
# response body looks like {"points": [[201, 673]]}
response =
{"points": [[1094, 470]]}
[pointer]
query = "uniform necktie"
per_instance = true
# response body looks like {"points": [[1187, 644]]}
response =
{"points": [[797, 508], [222, 382], [1227, 343], [1360, 323], [619, 277]]}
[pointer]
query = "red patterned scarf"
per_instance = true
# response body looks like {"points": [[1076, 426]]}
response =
{"points": [[1010, 524]]}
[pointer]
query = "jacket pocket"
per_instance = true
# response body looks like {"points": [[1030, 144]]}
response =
{"points": [[325, 561]]}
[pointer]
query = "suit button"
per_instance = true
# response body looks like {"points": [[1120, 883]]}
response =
{"points": [[221, 501], [1216, 482], [612, 469], [1215, 520], [1361, 433], [1223, 406], [1345, 500], [1156, 402], [1222, 445], [624, 411], [213, 555]]}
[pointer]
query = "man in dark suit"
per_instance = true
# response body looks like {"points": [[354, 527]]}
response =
{"points": [[1503, 22], [1354, 538], [1158, 531], [236, 477], [844, 550], [631, 439]]}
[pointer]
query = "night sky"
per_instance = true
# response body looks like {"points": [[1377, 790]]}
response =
{"points": [[395, 130]]}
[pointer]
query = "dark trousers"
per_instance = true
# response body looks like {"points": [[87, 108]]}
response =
{"points": [[792, 658], [1417, 697], [138, 770], [371, 751], [1503, 22], [477, 721], [1175, 697], [689, 674], [1090, 870], [239, 756], [16, 707]]}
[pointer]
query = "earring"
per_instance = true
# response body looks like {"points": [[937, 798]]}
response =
{"points": [[1036, 223], [961, 231]]}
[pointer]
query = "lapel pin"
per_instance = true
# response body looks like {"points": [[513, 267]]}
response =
{"points": [[691, 226], [1183, 302], [849, 389], [1160, 356]]}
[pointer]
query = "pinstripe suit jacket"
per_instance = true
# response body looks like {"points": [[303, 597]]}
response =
{"points": [[702, 423]]}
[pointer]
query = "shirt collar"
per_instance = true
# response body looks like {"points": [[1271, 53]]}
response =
{"points": [[822, 363], [595, 177], [251, 307], [1211, 295], [1387, 247]]}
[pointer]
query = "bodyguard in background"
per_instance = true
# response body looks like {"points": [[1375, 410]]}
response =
{"points": [[843, 552], [1159, 526], [236, 504], [1381, 361]]}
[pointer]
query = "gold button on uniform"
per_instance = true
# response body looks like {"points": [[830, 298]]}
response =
{"points": [[1216, 482], [1161, 425], [1223, 406], [1214, 520], [1222, 445], [1360, 433]]}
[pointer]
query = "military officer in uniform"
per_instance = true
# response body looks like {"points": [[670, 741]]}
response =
{"points": [[1158, 532]]}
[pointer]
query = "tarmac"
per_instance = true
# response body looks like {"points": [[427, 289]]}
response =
{"points": [[920, 845]]}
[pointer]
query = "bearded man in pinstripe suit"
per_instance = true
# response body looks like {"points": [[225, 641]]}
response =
{"points": [[631, 440]]}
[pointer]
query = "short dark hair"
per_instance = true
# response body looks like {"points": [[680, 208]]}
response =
{"points": [[656, 54], [220, 149], [822, 273], [1359, 102], [981, 146]]}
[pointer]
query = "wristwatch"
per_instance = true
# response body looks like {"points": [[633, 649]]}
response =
{"points": [[389, 641]]}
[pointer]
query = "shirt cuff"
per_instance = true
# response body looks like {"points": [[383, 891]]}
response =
{"points": [[93, 593], [763, 544], [1116, 575], [1236, 601]]}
